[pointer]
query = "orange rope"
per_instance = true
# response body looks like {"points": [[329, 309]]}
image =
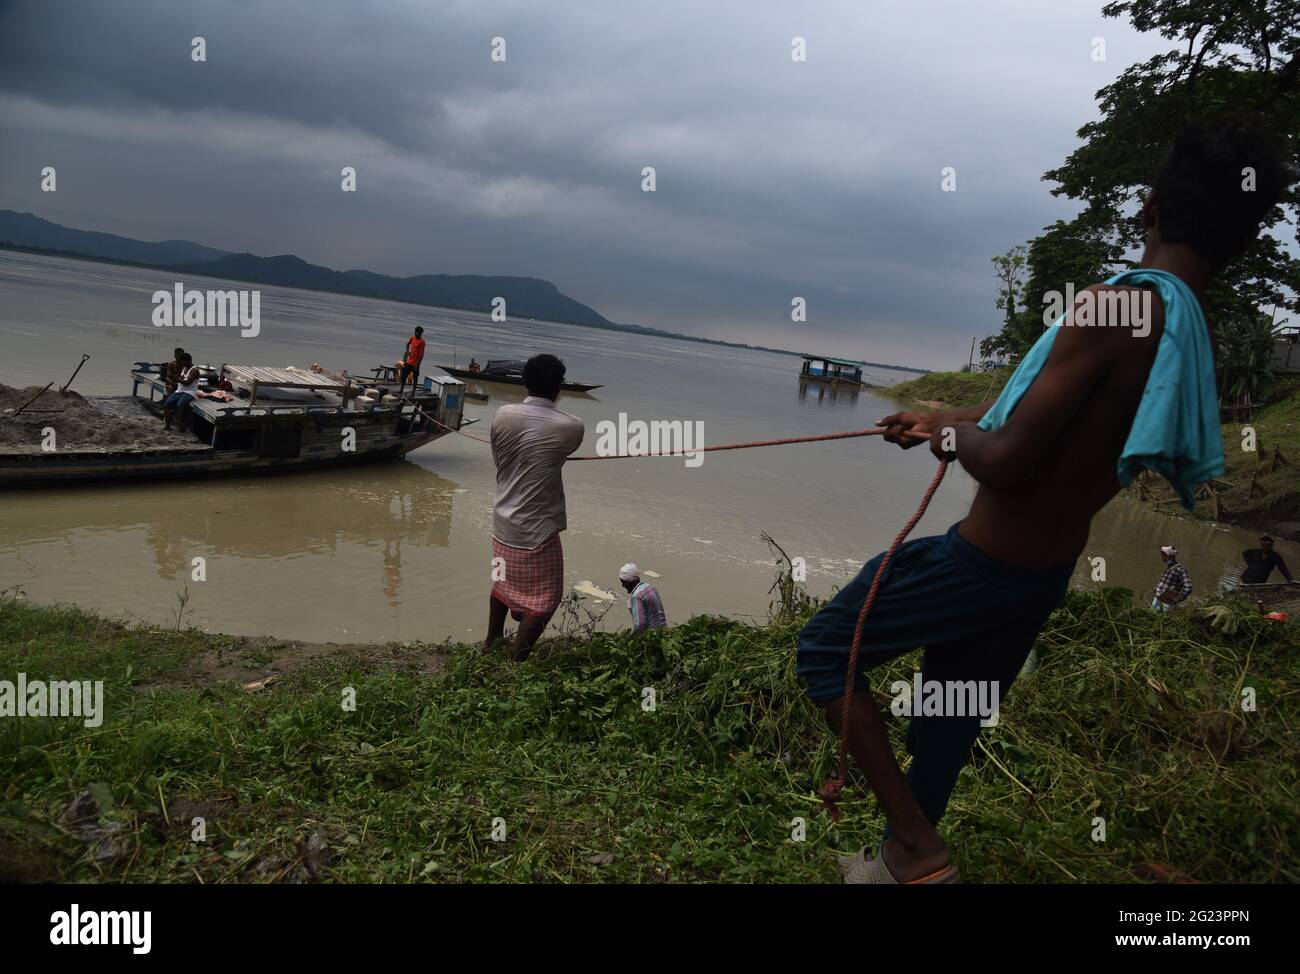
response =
{"points": [[707, 449], [745, 446], [831, 791]]}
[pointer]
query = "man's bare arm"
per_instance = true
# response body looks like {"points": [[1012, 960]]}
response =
{"points": [[1080, 357]]}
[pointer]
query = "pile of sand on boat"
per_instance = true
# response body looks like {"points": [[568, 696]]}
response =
{"points": [[101, 425]]}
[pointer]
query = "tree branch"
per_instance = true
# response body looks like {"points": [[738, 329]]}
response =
{"points": [[1211, 42]]}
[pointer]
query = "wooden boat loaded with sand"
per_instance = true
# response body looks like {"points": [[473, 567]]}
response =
{"points": [[271, 419]]}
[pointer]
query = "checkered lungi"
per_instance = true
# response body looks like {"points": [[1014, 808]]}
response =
{"points": [[534, 577]]}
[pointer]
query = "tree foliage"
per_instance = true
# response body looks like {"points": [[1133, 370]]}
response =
{"points": [[1010, 269], [1227, 55], [1243, 360]]}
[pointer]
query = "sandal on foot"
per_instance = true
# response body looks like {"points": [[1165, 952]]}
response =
{"points": [[874, 872], [850, 862]]}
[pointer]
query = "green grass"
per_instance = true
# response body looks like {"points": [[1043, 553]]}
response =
{"points": [[1268, 497], [950, 388], [1130, 716], [1281, 414]]}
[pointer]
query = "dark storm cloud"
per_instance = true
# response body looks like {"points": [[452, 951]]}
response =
{"points": [[775, 179]]}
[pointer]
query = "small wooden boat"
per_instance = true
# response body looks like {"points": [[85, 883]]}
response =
{"points": [[510, 372], [272, 419]]}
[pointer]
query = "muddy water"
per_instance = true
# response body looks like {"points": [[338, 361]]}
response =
{"points": [[402, 551]]}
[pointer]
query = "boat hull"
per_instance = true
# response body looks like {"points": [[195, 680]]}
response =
{"points": [[102, 467]]}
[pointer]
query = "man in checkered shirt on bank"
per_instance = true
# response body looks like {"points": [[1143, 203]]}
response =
{"points": [[1175, 584]]}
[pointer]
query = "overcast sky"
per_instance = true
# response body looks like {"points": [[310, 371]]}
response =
{"points": [[818, 179]]}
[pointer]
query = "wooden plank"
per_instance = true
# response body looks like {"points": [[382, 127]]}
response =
{"points": [[287, 378]]}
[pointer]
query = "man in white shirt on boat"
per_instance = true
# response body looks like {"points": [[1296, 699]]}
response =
{"points": [[187, 387], [530, 442]]}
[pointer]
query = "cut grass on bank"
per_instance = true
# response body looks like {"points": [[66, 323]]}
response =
{"points": [[1131, 717]]}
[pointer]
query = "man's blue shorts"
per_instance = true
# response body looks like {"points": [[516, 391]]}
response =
{"points": [[977, 619], [177, 400]]}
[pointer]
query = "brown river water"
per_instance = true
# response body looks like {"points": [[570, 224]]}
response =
{"points": [[402, 550]]}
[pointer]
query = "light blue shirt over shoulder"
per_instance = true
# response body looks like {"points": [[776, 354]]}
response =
{"points": [[1176, 429]]}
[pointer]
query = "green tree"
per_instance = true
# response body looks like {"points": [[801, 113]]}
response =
{"points": [[1227, 55], [1245, 349], [1010, 270], [1065, 253]]}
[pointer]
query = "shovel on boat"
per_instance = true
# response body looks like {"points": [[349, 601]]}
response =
{"points": [[64, 388]]}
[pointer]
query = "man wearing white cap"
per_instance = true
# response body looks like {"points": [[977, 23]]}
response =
{"points": [[1175, 584], [643, 603]]}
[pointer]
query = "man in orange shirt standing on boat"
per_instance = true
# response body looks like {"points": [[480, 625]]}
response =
{"points": [[411, 360]]}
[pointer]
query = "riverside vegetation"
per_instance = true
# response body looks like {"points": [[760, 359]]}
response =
{"points": [[1131, 717]]}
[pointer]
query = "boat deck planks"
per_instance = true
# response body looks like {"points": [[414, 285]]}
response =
{"points": [[290, 377]]}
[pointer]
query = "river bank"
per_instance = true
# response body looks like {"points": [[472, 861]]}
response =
{"points": [[1131, 717], [1260, 489]]}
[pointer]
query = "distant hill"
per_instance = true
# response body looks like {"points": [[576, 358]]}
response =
{"points": [[27, 230], [525, 296]]}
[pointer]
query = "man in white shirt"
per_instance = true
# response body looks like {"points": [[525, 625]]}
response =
{"points": [[530, 442], [187, 387]]}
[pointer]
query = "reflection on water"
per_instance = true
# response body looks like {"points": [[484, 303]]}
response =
{"points": [[827, 392], [336, 533], [248, 517]]}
